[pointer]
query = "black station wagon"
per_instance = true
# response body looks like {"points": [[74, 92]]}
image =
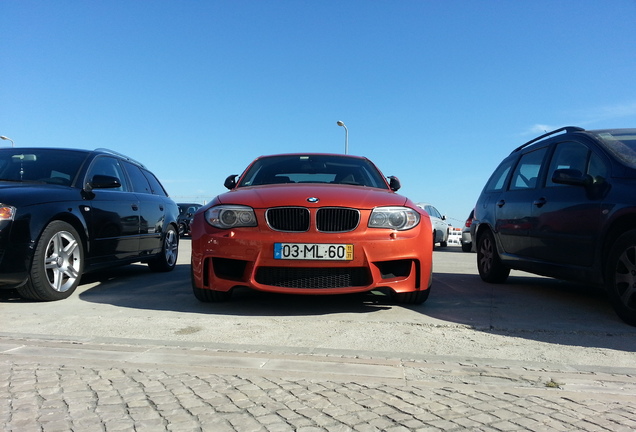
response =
{"points": [[64, 212], [564, 205]]}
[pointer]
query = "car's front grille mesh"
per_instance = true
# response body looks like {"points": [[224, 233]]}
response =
{"points": [[315, 278], [292, 219], [332, 219], [298, 219]]}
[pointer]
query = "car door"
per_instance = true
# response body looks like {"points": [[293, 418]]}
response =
{"points": [[568, 217], [113, 223], [151, 208], [513, 209]]}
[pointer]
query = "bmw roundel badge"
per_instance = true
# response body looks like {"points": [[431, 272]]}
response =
{"points": [[312, 200]]}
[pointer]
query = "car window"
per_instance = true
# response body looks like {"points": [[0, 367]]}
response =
{"points": [[156, 187], [526, 173], [622, 144], [568, 155], [433, 212], [41, 165], [597, 168], [574, 155], [313, 169], [108, 166], [139, 182], [498, 179]]}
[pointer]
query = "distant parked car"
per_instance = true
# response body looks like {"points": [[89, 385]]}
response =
{"points": [[467, 239], [564, 205], [186, 212], [438, 221], [65, 212], [312, 224]]}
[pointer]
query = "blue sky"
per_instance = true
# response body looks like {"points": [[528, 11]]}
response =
{"points": [[434, 92]]}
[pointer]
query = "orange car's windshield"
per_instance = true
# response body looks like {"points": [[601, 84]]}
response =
{"points": [[332, 169]]}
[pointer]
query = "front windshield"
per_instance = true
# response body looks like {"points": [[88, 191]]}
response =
{"points": [[622, 144], [52, 166], [313, 169]]}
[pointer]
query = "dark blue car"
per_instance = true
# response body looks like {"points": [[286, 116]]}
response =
{"points": [[564, 205]]}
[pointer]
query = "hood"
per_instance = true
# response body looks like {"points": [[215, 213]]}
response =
{"points": [[328, 195], [27, 193]]}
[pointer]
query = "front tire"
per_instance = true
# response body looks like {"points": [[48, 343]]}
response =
{"points": [[489, 264], [58, 264], [167, 258], [413, 297], [620, 277]]}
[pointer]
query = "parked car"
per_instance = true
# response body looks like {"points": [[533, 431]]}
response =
{"points": [[564, 205], [186, 212], [467, 239], [65, 212], [311, 224], [441, 228]]}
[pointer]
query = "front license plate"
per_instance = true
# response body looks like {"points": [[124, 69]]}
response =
{"points": [[313, 251]]}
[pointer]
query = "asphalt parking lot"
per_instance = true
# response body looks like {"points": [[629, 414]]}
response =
{"points": [[551, 347]]}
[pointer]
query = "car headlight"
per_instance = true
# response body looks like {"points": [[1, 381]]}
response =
{"points": [[230, 216], [397, 218], [7, 212]]}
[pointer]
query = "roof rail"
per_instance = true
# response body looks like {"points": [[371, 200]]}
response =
{"points": [[123, 156], [567, 129]]}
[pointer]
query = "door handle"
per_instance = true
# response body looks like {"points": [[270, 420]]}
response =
{"points": [[540, 202], [135, 207], [501, 203]]}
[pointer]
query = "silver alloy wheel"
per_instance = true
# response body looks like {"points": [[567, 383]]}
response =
{"points": [[62, 261], [625, 277], [171, 248], [486, 255]]}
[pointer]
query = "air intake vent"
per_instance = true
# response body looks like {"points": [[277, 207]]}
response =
{"points": [[315, 278]]}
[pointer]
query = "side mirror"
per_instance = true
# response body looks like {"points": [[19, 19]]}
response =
{"points": [[394, 183], [230, 181], [571, 177], [102, 182]]}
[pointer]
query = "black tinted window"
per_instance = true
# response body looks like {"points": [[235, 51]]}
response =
{"points": [[138, 180], [156, 187], [42, 165], [108, 166]]}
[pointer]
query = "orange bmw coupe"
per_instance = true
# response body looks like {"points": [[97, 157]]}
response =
{"points": [[312, 224]]}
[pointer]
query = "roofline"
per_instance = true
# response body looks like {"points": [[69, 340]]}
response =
{"points": [[312, 154], [566, 129]]}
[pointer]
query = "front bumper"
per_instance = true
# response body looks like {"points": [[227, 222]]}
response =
{"points": [[397, 260]]}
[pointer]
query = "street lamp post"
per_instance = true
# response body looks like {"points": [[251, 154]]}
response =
{"points": [[8, 139], [341, 123]]}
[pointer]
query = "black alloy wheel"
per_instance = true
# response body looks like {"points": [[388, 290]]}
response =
{"points": [[620, 279], [489, 264]]}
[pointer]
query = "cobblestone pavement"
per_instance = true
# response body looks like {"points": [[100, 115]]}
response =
{"points": [[118, 385]]}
